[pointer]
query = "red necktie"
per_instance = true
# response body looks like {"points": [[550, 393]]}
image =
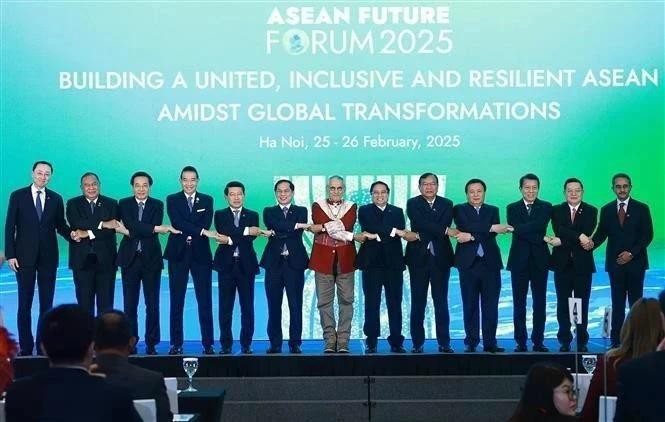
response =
{"points": [[622, 213]]}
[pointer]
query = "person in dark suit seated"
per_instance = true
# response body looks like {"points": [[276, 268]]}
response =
{"points": [[528, 261], [627, 226], [429, 258], [285, 261], [34, 215], [381, 260], [190, 212], [113, 343], [140, 256], [92, 259], [548, 395], [573, 222], [641, 383], [478, 259], [67, 392], [236, 265], [639, 336]]}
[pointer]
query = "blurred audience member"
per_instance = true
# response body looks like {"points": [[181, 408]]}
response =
{"points": [[548, 395]]}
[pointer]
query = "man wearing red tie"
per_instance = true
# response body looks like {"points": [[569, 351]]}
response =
{"points": [[627, 226]]}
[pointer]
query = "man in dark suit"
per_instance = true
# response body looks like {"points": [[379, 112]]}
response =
{"points": [[113, 343], [573, 222], [236, 265], [66, 392], [478, 259], [528, 261], [285, 261], [191, 213], [627, 226], [381, 260], [641, 383], [140, 256], [34, 215], [429, 258], [92, 260]]}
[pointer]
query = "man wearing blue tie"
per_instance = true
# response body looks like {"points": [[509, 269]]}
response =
{"points": [[236, 265], [190, 212], [34, 216], [478, 259], [285, 261]]}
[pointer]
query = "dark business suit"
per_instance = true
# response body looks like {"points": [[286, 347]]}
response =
{"points": [[33, 243], [142, 383], [93, 261], [528, 262], [572, 266], [382, 265], [236, 271], [68, 395], [190, 251], [479, 264], [141, 266], [285, 260], [641, 384], [429, 266], [633, 236]]}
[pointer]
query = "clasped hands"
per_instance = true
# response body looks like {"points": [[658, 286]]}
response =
{"points": [[585, 241]]}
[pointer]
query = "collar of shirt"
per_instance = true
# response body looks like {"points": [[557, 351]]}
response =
{"points": [[625, 202], [235, 209], [192, 195], [139, 201], [281, 207], [94, 201], [334, 203], [577, 207], [81, 367], [34, 190], [526, 204], [381, 208]]}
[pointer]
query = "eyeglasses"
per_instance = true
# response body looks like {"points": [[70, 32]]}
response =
{"points": [[335, 189], [569, 391], [621, 186]]}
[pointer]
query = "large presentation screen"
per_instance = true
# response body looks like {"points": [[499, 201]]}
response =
{"points": [[256, 91]]}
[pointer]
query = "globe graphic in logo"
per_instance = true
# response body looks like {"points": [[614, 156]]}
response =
{"points": [[295, 41]]}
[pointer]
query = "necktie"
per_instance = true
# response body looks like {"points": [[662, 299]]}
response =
{"points": [[190, 203], [285, 210], [92, 207], [572, 215], [38, 205], [480, 251], [622, 213], [430, 245], [141, 206], [528, 208], [236, 222], [285, 251]]}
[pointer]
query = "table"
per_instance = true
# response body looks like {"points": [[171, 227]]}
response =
{"points": [[207, 403]]}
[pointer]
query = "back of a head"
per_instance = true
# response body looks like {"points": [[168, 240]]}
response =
{"points": [[112, 331], [641, 332], [66, 333], [537, 401], [661, 299]]}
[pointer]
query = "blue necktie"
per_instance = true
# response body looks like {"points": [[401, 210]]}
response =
{"points": [[480, 252], [141, 206], [38, 205], [236, 222], [430, 245], [92, 207], [190, 203]]}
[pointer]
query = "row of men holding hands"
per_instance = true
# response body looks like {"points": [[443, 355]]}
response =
{"points": [[94, 219]]}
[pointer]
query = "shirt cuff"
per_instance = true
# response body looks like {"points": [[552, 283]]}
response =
{"points": [[91, 235], [378, 238], [348, 236], [201, 232], [230, 241], [246, 231], [393, 231], [99, 226]]}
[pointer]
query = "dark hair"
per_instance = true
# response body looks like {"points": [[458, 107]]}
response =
{"points": [[140, 174], [112, 330], [89, 173], [537, 401], [66, 332], [661, 299], [233, 184], [529, 176], [189, 168], [378, 182], [34, 166], [280, 181], [471, 182], [622, 175], [425, 176], [572, 180]]}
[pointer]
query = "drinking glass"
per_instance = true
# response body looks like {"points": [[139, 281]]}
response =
{"points": [[190, 365]]}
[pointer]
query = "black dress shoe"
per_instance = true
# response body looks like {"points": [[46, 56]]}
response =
{"points": [[446, 349], [246, 350], [540, 348], [295, 349], [469, 349], [24, 353], [225, 351], [150, 350], [370, 350], [583, 349], [175, 350], [521, 348], [133, 351], [397, 349], [493, 349], [208, 350], [417, 349], [565, 348], [273, 349]]}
